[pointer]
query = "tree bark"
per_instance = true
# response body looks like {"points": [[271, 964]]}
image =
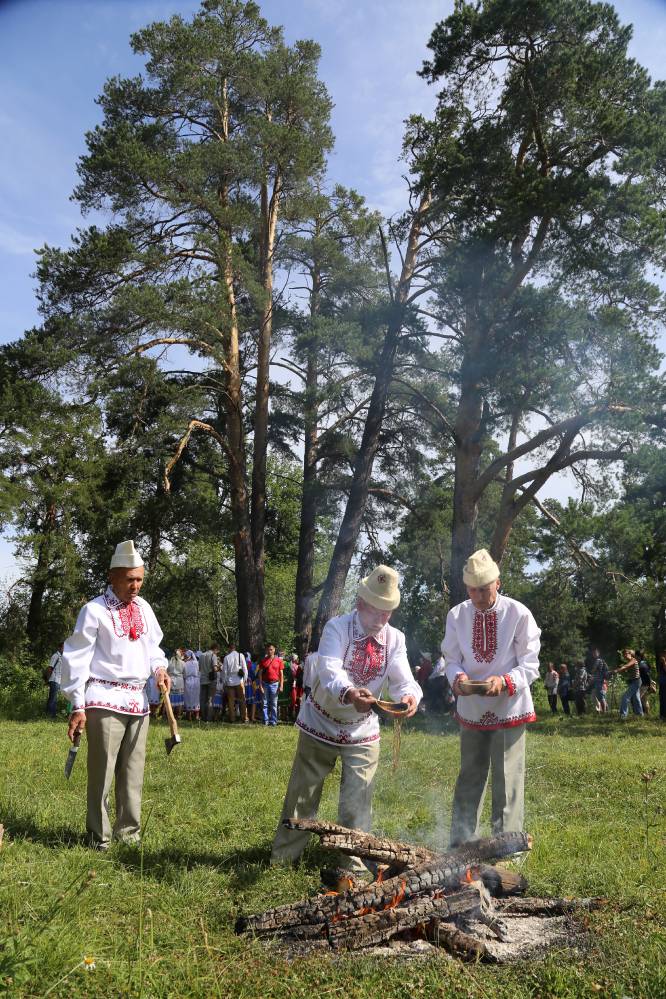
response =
{"points": [[468, 449], [350, 527], [307, 532], [269, 216], [40, 577], [249, 588]]}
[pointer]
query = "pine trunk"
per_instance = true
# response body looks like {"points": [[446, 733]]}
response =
{"points": [[40, 578], [269, 215], [308, 525], [468, 449], [347, 539], [249, 587]]}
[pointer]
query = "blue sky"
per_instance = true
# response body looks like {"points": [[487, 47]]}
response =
{"points": [[56, 54]]}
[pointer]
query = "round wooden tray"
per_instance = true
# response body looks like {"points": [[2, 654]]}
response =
{"points": [[473, 686], [392, 708]]}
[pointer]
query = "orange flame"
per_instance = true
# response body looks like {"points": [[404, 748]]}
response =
{"points": [[397, 899]]}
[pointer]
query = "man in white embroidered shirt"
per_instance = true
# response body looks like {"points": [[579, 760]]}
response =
{"points": [[106, 663], [495, 639], [357, 655]]}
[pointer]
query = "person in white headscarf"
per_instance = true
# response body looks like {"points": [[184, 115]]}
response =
{"points": [[358, 654], [115, 647], [492, 638]]}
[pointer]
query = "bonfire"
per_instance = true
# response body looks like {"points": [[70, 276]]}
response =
{"points": [[421, 901]]}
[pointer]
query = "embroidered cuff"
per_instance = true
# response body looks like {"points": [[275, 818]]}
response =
{"points": [[510, 685], [343, 694]]}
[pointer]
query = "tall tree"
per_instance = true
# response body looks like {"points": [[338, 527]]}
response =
{"points": [[334, 247], [195, 162], [397, 325], [545, 159]]}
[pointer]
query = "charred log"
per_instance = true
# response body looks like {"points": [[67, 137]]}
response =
{"points": [[381, 850], [375, 927]]}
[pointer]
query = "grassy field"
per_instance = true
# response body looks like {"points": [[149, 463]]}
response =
{"points": [[159, 922]]}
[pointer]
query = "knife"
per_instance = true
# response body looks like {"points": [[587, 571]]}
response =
{"points": [[71, 756]]}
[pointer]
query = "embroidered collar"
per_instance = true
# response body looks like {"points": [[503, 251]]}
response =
{"points": [[114, 602], [359, 634], [131, 623]]}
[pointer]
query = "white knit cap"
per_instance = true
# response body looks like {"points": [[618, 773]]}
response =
{"points": [[480, 569], [126, 556], [380, 588]]}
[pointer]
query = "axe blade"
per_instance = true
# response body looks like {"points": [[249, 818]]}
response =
{"points": [[172, 741]]}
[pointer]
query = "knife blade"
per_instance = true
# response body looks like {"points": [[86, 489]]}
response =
{"points": [[71, 756]]}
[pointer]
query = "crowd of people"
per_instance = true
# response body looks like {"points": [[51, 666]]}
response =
{"points": [[234, 686], [592, 685], [239, 687]]}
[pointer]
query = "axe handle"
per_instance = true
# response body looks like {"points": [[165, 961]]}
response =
{"points": [[173, 725]]}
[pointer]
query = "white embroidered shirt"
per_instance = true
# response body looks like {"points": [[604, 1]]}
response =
{"points": [[349, 658], [115, 647], [502, 641]]}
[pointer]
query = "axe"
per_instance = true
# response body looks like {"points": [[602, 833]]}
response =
{"points": [[174, 738]]}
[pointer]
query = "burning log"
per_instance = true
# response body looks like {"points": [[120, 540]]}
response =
{"points": [[439, 899], [440, 872], [424, 879], [357, 843], [375, 927]]}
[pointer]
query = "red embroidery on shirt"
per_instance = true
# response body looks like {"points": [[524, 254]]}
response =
{"points": [[490, 721], [131, 621], [367, 661], [484, 639]]}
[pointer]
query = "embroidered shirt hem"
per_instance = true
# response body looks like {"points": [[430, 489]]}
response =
{"points": [[490, 722], [340, 739]]}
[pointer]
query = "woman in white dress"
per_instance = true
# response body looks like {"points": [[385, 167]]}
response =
{"points": [[191, 677], [175, 671]]}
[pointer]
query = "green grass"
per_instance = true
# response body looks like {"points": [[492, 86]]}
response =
{"points": [[212, 808]]}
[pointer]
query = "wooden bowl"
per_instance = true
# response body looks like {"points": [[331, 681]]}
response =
{"points": [[391, 709], [474, 686]]}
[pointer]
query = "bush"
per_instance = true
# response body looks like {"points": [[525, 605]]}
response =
{"points": [[22, 689]]}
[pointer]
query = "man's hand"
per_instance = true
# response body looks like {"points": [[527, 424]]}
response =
{"points": [[496, 686], [77, 723], [162, 679], [361, 698], [455, 688], [411, 701]]}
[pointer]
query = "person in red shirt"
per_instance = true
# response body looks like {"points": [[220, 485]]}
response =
{"points": [[271, 678]]}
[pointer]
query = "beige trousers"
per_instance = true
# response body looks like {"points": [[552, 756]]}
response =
{"points": [[313, 762], [504, 750], [235, 693], [116, 746]]}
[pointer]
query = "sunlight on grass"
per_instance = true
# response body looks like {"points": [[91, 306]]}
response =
{"points": [[159, 921]]}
